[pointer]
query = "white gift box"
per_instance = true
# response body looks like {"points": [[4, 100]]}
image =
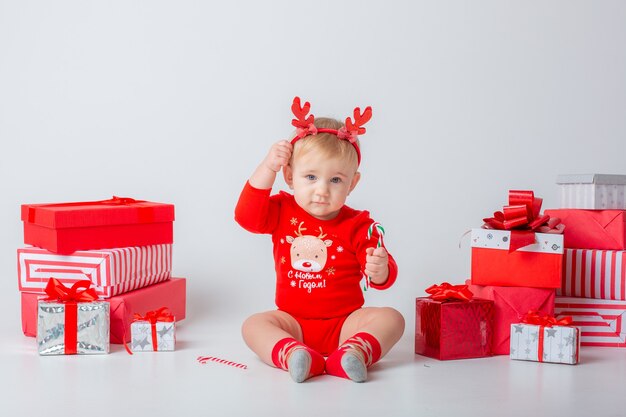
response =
{"points": [[592, 191], [142, 336], [112, 271], [601, 321], [558, 344], [591, 273]]}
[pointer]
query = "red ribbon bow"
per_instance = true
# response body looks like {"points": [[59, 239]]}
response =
{"points": [[448, 292], [311, 129], [121, 201], [534, 317], [59, 292], [145, 213], [350, 136], [162, 314], [78, 293], [523, 218]]}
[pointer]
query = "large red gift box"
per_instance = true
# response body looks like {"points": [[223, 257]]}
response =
{"points": [[170, 294], [538, 265], [601, 321], [453, 329], [115, 223], [510, 306], [111, 271], [593, 229], [592, 273]]}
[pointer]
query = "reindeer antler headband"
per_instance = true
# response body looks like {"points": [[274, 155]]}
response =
{"points": [[305, 127]]}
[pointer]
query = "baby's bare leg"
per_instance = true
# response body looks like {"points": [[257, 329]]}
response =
{"points": [[366, 336], [262, 331], [384, 323], [277, 338]]}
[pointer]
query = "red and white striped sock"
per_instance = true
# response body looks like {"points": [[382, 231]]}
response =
{"points": [[353, 357], [301, 361]]}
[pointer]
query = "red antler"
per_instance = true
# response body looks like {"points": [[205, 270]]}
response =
{"points": [[359, 120], [301, 112]]}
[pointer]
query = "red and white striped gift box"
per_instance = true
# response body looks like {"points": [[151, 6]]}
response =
{"points": [[593, 273], [600, 321], [112, 271]]}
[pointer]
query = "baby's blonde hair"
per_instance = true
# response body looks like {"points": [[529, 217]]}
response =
{"points": [[327, 144]]}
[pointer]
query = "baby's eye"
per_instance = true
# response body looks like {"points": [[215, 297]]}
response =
{"points": [[335, 180], [310, 177]]}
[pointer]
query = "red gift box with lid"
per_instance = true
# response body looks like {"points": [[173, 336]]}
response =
{"points": [[518, 246], [448, 328], [119, 222], [538, 265]]}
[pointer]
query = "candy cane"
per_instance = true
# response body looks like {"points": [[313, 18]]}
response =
{"points": [[205, 359], [381, 232], [379, 229]]}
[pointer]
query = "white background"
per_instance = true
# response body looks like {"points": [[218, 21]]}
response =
{"points": [[178, 101]]}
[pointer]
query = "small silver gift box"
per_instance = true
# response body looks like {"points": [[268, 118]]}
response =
{"points": [[92, 328], [142, 336], [555, 344]]}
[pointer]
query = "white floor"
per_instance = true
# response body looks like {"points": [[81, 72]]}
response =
{"points": [[402, 384]]}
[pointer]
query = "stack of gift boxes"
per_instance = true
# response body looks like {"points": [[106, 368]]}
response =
{"points": [[107, 265], [517, 262], [593, 288], [508, 306]]}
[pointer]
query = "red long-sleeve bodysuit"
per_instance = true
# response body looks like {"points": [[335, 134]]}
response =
{"points": [[319, 263]]}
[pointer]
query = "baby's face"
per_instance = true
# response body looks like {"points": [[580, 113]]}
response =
{"points": [[321, 185]]}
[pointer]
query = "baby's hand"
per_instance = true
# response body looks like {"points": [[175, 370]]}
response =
{"points": [[377, 264], [278, 156]]}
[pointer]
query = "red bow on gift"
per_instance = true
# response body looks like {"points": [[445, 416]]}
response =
{"points": [[162, 314], [145, 213], [534, 317], [448, 292], [78, 293], [523, 218], [121, 201]]}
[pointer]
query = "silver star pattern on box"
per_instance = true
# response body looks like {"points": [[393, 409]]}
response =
{"points": [[141, 336], [93, 328], [561, 344]]}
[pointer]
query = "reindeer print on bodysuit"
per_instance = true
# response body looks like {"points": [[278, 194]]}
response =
{"points": [[308, 253]]}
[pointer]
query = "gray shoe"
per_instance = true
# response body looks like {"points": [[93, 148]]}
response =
{"points": [[299, 365], [354, 367]]}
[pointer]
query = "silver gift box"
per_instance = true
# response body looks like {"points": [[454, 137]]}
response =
{"points": [[561, 344], [93, 328], [141, 336]]}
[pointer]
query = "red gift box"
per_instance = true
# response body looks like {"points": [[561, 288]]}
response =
{"points": [[538, 265], [601, 321], [115, 223], [593, 229], [511, 305], [592, 273], [453, 329], [170, 293]]}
